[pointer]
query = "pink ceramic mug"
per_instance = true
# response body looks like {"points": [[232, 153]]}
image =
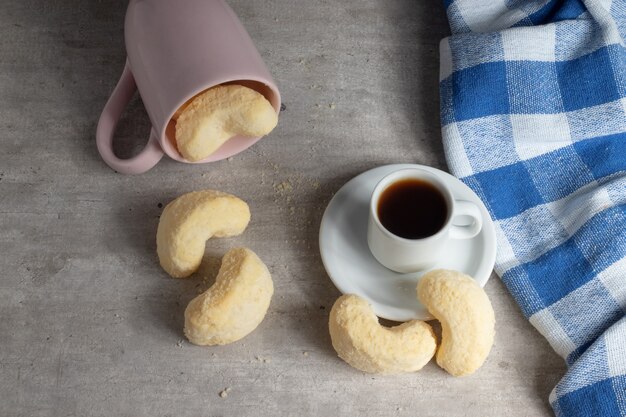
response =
{"points": [[177, 49]]}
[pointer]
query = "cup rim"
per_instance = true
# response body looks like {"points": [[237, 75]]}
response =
{"points": [[397, 175]]}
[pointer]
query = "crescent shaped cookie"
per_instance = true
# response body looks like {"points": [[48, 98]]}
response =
{"points": [[466, 316], [218, 114], [189, 221], [235, 305], [363, 343]]}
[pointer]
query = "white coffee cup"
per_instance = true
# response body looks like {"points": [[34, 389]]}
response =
{"points": [[463, 220]]}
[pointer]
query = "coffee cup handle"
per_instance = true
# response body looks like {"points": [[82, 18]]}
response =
{"points": [[149, 156], [466, 209]]}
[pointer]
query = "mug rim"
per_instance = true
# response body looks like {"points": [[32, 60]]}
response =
{"points": [[394, 176]]}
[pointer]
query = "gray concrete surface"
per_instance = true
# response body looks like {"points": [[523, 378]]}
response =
{"points": [[89, 323]]}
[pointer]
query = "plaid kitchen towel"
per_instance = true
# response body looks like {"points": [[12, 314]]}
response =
{"points": [[533, 111]]}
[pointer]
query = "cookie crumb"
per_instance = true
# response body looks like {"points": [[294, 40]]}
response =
{"points": [[305, 353], [224, 392], [331, 106], [283, 187]]}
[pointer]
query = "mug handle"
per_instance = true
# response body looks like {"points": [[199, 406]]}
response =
{"points": [[149, 156], [469, 209]]}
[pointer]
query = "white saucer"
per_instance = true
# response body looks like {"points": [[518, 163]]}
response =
{"points": [[353, 269]]}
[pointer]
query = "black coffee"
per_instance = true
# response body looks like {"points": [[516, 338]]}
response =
{"points": [[412, 209]]}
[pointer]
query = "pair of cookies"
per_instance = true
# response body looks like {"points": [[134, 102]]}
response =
{"points": [[238, 301], [462, 307]]}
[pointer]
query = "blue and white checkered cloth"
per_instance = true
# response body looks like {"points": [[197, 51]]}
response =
{"points": [[533, 111]]}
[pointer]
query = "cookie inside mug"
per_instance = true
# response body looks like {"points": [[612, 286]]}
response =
{"points": [[222, 120]]}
